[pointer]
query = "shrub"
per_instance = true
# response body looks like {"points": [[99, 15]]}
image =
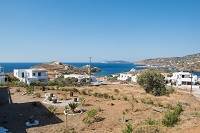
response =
{"points": [[196, 114], [147, 101], [169, 90], [105, 96], [134, 99], [152, 82], [172, 118], [92, 113], [128, 129], [87, 120], [149, 121], [169, 106], [116, 90], [84, 92], [147, 129], [73, 90], [38, 95], [82, 100], [160, 104], [125, 98], [112, 97], [95, 94], [91, 116]]}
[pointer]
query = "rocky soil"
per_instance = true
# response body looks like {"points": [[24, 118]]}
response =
{"points": [[15, 109]]}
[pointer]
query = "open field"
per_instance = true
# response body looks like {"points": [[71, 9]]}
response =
{"points": [[16, 108]]}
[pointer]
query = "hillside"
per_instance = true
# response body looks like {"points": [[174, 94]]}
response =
{"points": [[179, 63], [58, 68], [130, 100]]}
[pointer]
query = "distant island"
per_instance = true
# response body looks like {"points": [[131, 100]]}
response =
{"points": [[185, 63], [116, 62]]}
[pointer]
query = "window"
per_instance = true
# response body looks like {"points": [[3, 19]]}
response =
{"points": [[33, 74], [39, 74]]}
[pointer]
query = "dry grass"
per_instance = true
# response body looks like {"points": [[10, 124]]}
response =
{"points": [[110, 116]]}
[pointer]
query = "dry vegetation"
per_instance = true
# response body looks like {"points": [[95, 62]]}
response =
{"points": [[116, 103]]}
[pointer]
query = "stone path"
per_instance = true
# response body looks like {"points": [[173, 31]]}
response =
{"points": [[58, 103]]}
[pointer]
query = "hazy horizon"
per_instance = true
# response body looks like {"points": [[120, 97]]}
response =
{"points": [[73, 31]]}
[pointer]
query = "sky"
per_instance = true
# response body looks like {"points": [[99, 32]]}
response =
{"points": [[74, 30]]}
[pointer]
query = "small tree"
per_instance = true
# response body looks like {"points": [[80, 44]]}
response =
{"points": [[152, 82]]}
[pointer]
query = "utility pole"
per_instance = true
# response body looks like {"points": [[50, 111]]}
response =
{"points": [[191, 79], [90, 69]]}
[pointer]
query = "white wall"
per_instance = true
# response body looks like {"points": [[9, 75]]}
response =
{"points": [[124, 76], [2, 79], [29, 75], [79, 77], [180, 77]]}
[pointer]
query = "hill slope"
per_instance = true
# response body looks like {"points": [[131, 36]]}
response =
{"points": [[179, 63]]}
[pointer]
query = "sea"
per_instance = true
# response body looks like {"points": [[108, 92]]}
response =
{"points": [[106, 68]]}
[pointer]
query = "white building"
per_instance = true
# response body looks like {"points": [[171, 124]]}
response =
{"points": [[79, 77], [2, 75], [183, 78], [30, 75], [124, 76]]}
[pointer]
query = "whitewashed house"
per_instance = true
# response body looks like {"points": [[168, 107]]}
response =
{"points": [[79, 77], [2, 75], [31, 75], [124, 76], [183, 78]]}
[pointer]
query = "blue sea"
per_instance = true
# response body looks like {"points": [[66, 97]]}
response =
{"points": [[106, 69]]}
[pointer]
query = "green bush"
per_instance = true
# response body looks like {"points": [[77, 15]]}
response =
{"points": [[172, 118], [169, 90], [95, 94], [116, 90], [87, 120], [152, 82], [38, 95], [128, 129], [92, 113], [169, 106], [105, 96], [112, 97], [160, 104], [84, 92], [125, 98], [147, 101], [196, 114], [149, 121]]}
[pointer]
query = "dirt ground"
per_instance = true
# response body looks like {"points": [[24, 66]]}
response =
{"points": [[15, 109]]}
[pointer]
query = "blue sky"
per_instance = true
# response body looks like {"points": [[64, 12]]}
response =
{"points": [[73, 30]]}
